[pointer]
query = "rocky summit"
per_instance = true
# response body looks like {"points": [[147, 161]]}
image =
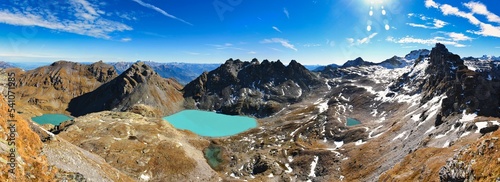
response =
{"points": [[250, 88], [139, 88]]}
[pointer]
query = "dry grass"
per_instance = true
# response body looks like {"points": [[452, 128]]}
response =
{"points": [[28, 146]]}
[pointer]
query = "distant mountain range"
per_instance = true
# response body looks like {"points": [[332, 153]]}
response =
{"points": [[182, 72]]}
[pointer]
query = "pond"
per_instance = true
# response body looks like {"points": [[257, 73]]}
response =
{"points": [[211, 124], [54, 119], [352, 122]]}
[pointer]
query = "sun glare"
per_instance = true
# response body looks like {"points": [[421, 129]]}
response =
{"points": [[375, 1]]}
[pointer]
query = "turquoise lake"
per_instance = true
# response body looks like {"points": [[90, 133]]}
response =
{"points": [[211, 124], [352, 122], [54, 119]]}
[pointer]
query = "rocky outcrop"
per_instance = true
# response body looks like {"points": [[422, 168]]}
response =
{"points": [[446, 74], [50, 88], [477, 161], [138, 85], [250, 88], [147, 149]]}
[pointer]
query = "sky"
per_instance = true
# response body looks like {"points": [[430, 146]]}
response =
{"points": [[309, 31]]}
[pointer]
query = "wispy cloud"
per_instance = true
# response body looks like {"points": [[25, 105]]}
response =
{"points": [[435, 24], [286, 13], [86, 20], [364, 40], [283, 42], [485, 29], [430, 42], [277, 29], [252, 52], [225, 46], [126, 39], [150, 6], [192, 53], [311, 45]]}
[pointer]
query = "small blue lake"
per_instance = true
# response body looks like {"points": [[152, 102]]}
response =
{"points": [[352, 122], [211, 124], [54, 119]]}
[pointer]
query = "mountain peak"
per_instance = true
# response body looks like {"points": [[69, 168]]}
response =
{"points": [[357, 62]]}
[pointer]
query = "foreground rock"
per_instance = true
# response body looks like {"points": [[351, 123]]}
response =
{"points": [[143, 148]]}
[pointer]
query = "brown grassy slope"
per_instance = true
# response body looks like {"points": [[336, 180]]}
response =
{"points": [[50, 88], [425, 164], [141, 146], [31, 164]]}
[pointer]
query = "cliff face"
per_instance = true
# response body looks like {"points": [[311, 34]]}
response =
{"points": [[50, 88], [134, 89], [250, 88]]}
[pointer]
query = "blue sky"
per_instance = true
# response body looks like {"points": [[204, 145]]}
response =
{"points": [[311, 32]]}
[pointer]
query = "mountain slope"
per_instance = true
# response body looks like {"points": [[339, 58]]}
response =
{"points": [[147, 149], [50, 88], [137, 88], [250, 88]]}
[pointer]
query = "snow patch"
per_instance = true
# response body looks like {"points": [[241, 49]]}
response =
{"points": [[313, 166], [338, 144], [401, 135]]}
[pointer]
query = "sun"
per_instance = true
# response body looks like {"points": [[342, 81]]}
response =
{"points": [[375, 1]]}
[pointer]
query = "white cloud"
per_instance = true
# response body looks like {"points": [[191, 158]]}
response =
{"points": [[150, 6], [439, 23], [485, 29], [86, 19], [286, 13], [361, 41], [252, 52], [277, 29], [435, 24], [126, 39], [458, 36], [481, 9], [430, 42], [431, 3], [283, 42]]}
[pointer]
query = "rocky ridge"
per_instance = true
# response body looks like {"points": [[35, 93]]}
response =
{"points": [[49, 89], [250, 88]]}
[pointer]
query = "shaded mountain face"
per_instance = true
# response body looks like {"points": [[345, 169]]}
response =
{"points": [[250, 88], [50, 88], [138, 88], [182, 72]]}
